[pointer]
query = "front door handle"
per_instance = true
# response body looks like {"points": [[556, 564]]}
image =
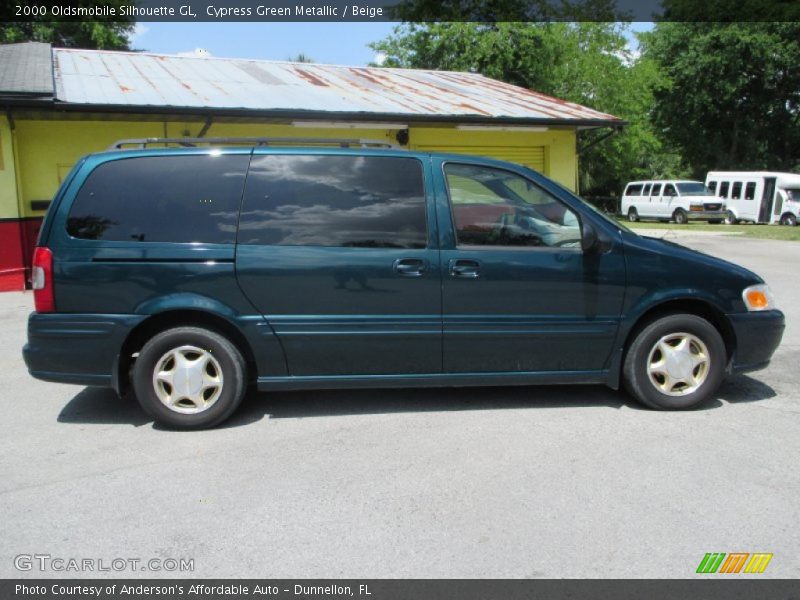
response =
{"points": [[410, 267], [466, 268]]}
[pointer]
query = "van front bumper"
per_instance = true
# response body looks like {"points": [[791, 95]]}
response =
{"points": [[706, 215], [758, 335], [80, 349]]}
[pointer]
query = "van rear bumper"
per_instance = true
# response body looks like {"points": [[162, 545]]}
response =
{"points": [[758, 335], [76, 348]]}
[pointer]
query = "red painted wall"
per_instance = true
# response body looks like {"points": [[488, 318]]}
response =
{"points": [[17, 240]]}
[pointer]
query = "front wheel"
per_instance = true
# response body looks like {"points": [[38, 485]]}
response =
{"points": [[789, 219], [680, 216], [730, 218], [676, 362], [189, 378]]}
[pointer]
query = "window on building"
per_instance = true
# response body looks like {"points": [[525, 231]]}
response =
{"points": [[161, 199], [347, 201], [494, 207]]}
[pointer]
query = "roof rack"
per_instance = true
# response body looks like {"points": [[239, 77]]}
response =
{"points": [[190, 142]]}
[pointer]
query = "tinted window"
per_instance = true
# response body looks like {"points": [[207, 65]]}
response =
{"points": [[646, 191], [656, 190], [669, 190], [750, 190], [492, 207], [736, 190], [353, 201], [634, 190], [712, 187], [723, 189], [161, 199], [694, 188]]}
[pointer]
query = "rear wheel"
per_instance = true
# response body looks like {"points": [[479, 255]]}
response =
{"points": [[730, 218], [675, 362], [680, 216], [633, 215], [189, 378], [789, 219]]}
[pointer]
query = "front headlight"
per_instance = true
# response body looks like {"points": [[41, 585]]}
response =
{"points": [[758, 297]]}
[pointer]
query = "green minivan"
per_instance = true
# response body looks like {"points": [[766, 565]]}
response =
{"points": [[193, 273]]}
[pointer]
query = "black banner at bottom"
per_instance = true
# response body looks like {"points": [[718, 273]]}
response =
{"points": [[397, 589]]}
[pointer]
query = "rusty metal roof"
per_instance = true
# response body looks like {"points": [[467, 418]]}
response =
{"points": [[131, 79]]}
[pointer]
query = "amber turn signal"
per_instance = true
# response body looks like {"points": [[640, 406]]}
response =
{"points": [[758, 297]]}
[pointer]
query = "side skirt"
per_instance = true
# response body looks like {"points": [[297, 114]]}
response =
{"points": [[432, 380]]}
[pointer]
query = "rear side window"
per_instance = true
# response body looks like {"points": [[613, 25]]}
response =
{"points": [[634, 190], [646, 191], [656, 189], [161, 199], [750, 190], [347, 201], [736, 190], [723, 189]]}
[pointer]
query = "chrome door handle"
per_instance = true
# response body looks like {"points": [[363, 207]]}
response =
{"points": [[465, 268], [409, 267]]}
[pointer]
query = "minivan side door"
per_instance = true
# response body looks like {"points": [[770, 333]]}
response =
{"points": [[518, 293], [339, 252]]}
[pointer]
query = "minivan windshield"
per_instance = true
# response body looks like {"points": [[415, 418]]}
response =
{"points": [[693, 188]]}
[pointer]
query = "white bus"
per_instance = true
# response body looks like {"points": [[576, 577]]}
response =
{"points": [[757, 196], [670, 199]]}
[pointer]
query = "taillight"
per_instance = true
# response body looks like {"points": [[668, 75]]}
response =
{"points": [[42, 280]]}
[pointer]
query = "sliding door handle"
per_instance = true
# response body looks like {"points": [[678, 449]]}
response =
{"points": [[465, 268]]}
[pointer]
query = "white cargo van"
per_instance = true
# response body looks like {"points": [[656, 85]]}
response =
{"points": [[670, 199], [757, 196]]}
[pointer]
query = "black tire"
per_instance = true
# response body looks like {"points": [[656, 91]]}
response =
{"points": [[637, 379], [633, 215], [680, 217], [789, 219], [714, 221], [227, 357], [730, 218]]}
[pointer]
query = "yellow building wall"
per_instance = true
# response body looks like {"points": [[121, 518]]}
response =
{"points": [[47, 149], [8, 181]]}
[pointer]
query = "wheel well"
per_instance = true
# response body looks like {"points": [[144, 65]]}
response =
{"points": [[688, 306], [787, 214], [177, 318]]}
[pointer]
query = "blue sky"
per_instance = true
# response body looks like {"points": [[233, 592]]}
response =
{"points": [[334, 43]]}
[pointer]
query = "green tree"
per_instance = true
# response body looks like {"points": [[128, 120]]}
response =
{"points": [[301, 57], [71, 33], [587, 63], [729, 94]]}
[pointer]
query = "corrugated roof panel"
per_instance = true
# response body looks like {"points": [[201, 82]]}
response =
{"points": [[139, 79]]}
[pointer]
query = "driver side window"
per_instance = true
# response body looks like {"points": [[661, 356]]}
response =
{"points": [[493, 207]]}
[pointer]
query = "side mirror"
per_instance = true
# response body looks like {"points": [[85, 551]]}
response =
{"points": [[589, 242]]}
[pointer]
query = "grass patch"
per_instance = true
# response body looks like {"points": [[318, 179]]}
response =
{"points": [[765, 232]]}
